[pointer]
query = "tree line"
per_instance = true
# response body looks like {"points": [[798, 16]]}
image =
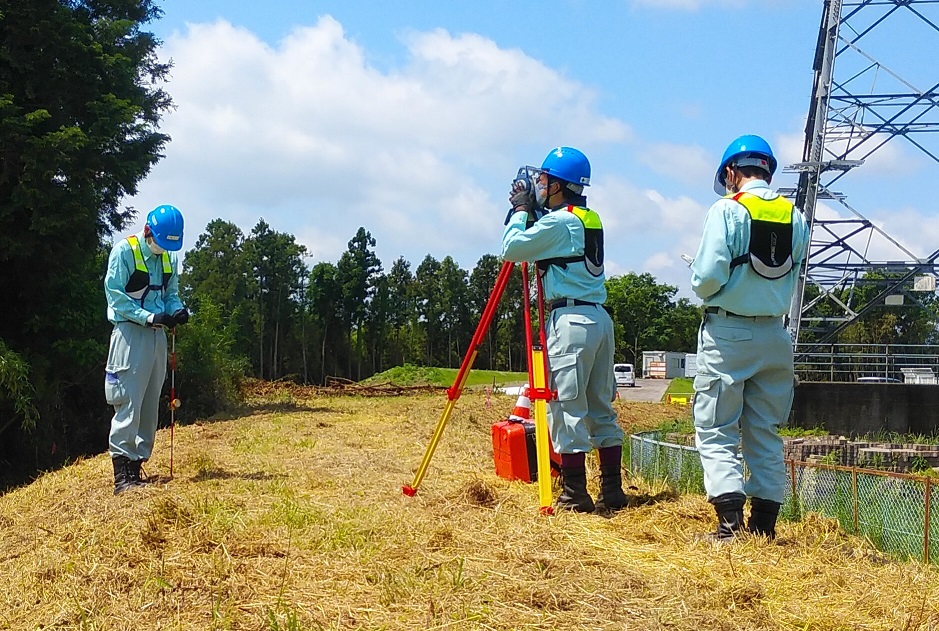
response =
{"points": [[352, 318]]}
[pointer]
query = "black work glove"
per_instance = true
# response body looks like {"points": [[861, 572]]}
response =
{"points": [[163, 319], [181, 316], [522, 197]]}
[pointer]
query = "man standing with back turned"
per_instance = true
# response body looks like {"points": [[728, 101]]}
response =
{"points": [[142, 288], [745, 271], [567, 243]]}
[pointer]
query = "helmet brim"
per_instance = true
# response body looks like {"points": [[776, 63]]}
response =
{"points": [[170, 245]]}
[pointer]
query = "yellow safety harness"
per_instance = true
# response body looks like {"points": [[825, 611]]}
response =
{"points": [[139, 285], [770, 250], [592, 257]]}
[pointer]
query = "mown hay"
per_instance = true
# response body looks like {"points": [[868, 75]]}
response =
{"points": [[291, 516]]}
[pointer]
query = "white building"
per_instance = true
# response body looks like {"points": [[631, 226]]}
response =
{"points": [[663, 364]]}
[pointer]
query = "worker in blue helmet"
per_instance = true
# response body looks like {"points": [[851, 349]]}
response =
{"points": [[551, 224], [142, 289], [745, 272]]}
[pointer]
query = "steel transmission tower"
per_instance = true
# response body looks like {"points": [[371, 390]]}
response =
{"points": [[860, 105]]}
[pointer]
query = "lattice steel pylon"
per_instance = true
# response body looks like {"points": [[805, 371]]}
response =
{"points": [[858, 106]]}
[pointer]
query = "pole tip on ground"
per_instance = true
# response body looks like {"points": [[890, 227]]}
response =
{"points": [[409, 490], [547, 511]]}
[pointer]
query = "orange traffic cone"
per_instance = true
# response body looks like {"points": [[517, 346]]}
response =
{"points": [[522, 410]]}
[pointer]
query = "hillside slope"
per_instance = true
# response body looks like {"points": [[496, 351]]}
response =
{"points": [[290, 516]]}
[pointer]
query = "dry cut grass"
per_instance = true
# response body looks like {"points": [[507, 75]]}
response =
{"points": [[291, 516]]}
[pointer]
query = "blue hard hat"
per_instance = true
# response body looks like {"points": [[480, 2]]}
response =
{"points": [[166, 227], [568, 164], [745, 151]]}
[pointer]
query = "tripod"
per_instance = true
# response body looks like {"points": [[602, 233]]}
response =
{"points": [[539, 393]]}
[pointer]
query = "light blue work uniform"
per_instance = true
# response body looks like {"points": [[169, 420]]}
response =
{"points": [[745, 378], [580, 337], [136, 366]]}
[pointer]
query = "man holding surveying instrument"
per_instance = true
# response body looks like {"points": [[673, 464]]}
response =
{"points": [[549, 223], [142, 289]]}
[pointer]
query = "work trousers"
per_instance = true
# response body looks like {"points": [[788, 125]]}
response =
{"points": [[134, 377], [743, 393], [580, 355]]}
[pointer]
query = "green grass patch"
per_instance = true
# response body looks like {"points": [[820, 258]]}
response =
{"points": [[411, 375], [680, 385], [802, 432], [678, 426]]}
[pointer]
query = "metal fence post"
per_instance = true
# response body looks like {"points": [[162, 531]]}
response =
{"points": [[926, 524], [854, 494], [792, 476]]}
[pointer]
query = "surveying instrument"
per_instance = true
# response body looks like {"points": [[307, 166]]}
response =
{"points": [[536, 353]]}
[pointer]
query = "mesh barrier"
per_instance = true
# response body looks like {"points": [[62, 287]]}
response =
{"points": [[677, 465], [896, 512]]}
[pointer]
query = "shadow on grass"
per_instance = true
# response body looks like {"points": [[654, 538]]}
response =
{"points": [[284, 407], [221, 474], [636, 497]]}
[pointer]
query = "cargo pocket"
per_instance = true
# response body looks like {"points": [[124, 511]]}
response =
{"points": [[706, 391], [115, 391], [731, 334], [117, 369], [564, 372]]}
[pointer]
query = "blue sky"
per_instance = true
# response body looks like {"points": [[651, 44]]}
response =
{"points": [[322, 117]]}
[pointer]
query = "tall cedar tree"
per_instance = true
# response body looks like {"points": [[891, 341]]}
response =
{"points": [[79, 110]]}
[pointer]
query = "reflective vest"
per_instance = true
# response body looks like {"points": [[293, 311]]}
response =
{"points": [[138, 285], [770, 249], [592, 257]]}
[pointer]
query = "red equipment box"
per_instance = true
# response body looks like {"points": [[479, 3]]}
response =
{"points": [[513, 449]]}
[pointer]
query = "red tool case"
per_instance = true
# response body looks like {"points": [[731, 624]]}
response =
{"points": [[513, 449]]}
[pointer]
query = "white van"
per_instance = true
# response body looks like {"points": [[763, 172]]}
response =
{"points": [[624, 374]]}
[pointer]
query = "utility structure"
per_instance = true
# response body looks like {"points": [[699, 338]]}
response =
{"points": [[861, 104]]}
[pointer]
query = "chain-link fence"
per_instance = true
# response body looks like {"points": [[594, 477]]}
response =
{"points": [[893, 510]]}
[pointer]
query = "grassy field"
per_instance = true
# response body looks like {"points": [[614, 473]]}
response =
{"points": [[680, 385], [289, 515], [417, 375]]}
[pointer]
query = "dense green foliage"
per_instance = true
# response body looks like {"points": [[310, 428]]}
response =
{"points": [[353, 320], [78, 130], [209, 371], [916, 321]]}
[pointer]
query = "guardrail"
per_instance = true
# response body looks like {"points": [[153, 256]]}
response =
{"points": [[849, 362], [894, 511]]}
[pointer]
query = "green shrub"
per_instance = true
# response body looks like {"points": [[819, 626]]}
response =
{"points": [[208, 371]]}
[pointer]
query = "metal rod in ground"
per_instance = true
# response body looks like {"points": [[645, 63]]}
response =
{"points": [[174, 403]]}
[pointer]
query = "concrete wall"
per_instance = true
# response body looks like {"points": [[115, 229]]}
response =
{"points": [[853, 409]]}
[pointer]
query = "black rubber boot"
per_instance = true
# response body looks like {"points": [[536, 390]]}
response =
{"points": [[574, 494], [135, 474], [729, 509], [763, 514], [123, 474], [611, 480]]}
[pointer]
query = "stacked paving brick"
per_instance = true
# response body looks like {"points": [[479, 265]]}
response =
{"points": [[838, 450]]}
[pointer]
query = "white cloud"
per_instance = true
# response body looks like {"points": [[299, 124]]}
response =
{"points": [[690, 164], [645, 231], [311, 137]]}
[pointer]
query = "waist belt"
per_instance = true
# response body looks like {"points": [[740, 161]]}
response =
{"points": [[571, 302], [724, 312]]}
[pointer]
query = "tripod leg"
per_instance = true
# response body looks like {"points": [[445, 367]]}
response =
{"points": [[539, 393], [454, 391]]}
